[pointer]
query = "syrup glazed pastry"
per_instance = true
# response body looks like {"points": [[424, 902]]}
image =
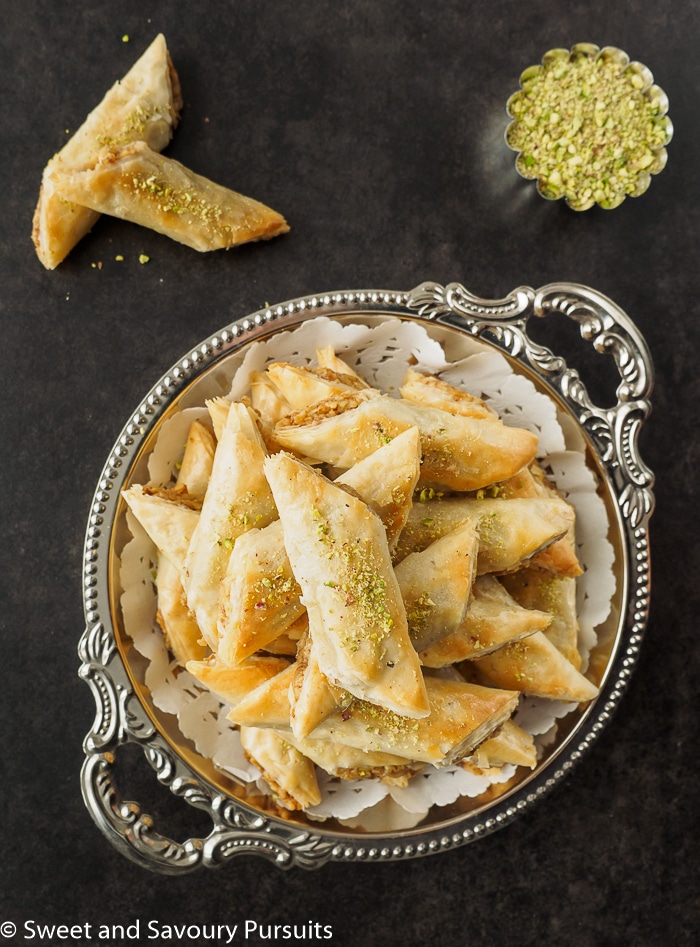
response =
{"points": [[340, 556], [143, 106], [139, 185], [352, 617], [112, 166]]}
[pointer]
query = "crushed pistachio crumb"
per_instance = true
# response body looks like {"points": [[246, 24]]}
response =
{"points": [[382, 434], [176, 200], [586, 131], [394, 728], [362, 588], [419, 611], [275, 591]]}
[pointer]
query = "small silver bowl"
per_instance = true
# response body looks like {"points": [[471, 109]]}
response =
{"points": [[589, 126], [242, 823]]}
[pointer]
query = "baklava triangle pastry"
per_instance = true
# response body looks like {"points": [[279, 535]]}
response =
{"points": [[312, 697], [180, 630], [269, 704], [436, 585], [290, 775], [259, 597], [433, 392], [301, 386], [326, 357], [387, 479], [461, 717], [168, 522], [559, 558], [339, 555], [347, 762], [493, 619], [137, 184], [459, 453], [510, 531], [218, 409], [197, 460], [510, 744], [238, 499], [535, 667], [267, 400], [143, 106], [231, 685], [535, 588]]}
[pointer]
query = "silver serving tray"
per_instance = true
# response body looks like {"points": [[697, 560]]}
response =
{"points": [[126, 715]]}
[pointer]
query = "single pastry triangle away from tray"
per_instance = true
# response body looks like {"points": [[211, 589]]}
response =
{"points": [[143, 106], [144, 187]]}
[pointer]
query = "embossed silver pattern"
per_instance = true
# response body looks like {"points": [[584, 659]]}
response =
{"points": [[238, 828]]}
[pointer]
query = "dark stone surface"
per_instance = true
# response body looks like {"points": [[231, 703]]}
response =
{"points": [[376, 128]]}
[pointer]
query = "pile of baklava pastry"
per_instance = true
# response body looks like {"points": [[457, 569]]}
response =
{"points": [[368, 582]]}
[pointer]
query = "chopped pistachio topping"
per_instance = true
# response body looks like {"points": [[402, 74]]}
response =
{"points": [[361, 587], [586, 131], [275, 591], [419, 612], [134, 126], [243, 513], [382, 434], [381, 721]]}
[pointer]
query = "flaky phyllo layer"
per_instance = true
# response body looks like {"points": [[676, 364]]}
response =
{"points": [[370, 583]]}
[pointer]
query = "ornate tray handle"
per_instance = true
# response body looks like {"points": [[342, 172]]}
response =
{"points": [[614, 431], [121, 719]]}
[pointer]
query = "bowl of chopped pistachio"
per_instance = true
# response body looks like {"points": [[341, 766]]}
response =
{"points": [[589, 126]]}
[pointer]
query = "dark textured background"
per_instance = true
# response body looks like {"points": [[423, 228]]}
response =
{"points": [[377, 129]]}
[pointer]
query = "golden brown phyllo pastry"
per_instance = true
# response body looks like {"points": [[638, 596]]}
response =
{"points": [[112, 165], [137, 184], [369, 576], [143, 106]]}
